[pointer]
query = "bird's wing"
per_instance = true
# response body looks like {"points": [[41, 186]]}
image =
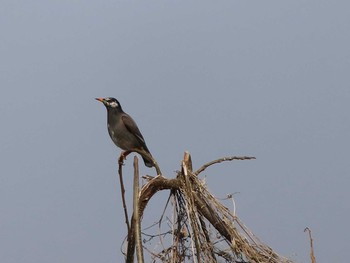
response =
{"points": [[132, 127]]}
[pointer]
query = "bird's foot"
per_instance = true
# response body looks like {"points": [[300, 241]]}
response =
{"points": [[122, 157]]}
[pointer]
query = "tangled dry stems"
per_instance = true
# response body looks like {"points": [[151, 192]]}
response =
{"points": [[199, 228]]}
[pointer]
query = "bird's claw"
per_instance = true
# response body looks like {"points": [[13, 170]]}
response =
{"points": [[121, 160], [122, 157]]}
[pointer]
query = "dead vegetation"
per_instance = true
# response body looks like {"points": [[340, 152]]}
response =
{"points": [[194, 227]]}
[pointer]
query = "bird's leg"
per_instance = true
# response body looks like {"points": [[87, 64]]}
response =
{"points": [[122, 157]]}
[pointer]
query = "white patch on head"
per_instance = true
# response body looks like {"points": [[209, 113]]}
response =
{"points": [[113, 104]]}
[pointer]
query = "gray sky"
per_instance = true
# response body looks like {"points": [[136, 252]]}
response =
{"points": [[262, 78]]}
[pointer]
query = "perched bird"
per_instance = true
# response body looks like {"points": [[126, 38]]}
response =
{"points": [[123, 130]]}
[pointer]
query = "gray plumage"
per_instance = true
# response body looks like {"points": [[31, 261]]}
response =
{"points": [[123, 130]]}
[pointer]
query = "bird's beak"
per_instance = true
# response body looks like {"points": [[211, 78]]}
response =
{"points": [[100, 99]]}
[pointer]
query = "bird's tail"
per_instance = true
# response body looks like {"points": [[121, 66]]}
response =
{"points": [[148, 163], [147, 157]]}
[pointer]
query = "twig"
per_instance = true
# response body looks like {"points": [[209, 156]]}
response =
{"points": [[312, 255], [233, 202], [205, 166], [160, 222], [122, 190], [136, 216], [173, 229], [207, 238]]}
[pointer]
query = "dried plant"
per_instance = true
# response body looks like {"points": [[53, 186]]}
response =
{"points": [[194, 226]]}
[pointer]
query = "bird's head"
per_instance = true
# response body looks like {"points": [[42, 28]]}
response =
{"points": [[110, 103]]}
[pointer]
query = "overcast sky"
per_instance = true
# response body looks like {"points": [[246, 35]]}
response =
{"points": [[217, 78]]}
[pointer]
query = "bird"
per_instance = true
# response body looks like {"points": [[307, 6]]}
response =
{"points": [[124, 132]]}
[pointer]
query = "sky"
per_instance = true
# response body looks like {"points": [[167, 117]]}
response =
{"points": [[268, 79]]}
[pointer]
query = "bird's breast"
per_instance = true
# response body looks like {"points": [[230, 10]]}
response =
{"points": [[121, 137]]}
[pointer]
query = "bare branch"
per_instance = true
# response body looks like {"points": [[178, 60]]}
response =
{"points": [[205, 166], [136, 217], [147, 191], [312, 254], [190, 207], [122, 190]]}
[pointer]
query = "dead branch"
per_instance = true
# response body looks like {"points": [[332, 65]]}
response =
{"points": [[312, 254], [122, 191], [201, 229], [205, 166], [147, 191], [136, 217]]}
